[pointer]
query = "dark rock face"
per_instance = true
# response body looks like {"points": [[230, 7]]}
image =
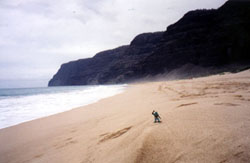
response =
{"points": [[211, 39], [111, 66], [208, 38]]}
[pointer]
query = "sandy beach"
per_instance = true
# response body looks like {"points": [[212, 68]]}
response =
{"points": [[203, 120]]}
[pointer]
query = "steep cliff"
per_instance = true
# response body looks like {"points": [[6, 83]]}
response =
{"points": [[209, 40]]}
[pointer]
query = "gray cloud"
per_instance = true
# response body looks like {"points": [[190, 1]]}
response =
{"points": [[37, 36]]}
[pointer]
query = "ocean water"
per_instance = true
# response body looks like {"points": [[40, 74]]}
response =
{"points": [[25, 104]]}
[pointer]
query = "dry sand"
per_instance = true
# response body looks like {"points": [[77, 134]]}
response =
{"points": [[204, 120]]}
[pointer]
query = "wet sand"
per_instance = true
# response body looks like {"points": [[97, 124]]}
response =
{"points": [[203, 120]]}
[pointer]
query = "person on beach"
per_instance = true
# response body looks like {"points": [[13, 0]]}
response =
{"points": [[157, 116]]}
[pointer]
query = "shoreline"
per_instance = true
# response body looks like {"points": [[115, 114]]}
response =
{"points": [[204, 120], [26, 106]]}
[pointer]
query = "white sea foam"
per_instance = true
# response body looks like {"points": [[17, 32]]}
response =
{"points": [[25, 107]]}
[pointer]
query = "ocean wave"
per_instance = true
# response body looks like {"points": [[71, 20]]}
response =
{"points": [[23, 105]]}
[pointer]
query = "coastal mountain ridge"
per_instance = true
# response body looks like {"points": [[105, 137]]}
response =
{"points": [[202, 42]]}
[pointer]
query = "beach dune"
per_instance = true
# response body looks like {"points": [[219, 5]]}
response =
{"points": [[203, 120]]}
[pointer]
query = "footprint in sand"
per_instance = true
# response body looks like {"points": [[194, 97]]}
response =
{"points": [[238, 153], [108, 136], [38, 156], [223, 161], [72, 131], [66, 142], [182, 105], [226, 104]]}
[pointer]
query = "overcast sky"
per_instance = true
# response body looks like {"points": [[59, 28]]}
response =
{"points": [[37, 36]]}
